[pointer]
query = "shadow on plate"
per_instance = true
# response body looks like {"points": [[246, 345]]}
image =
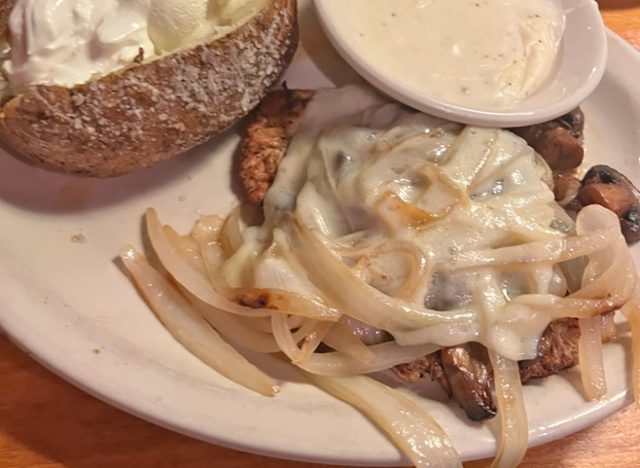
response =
{"points": [[37, 190], [315, 45]]}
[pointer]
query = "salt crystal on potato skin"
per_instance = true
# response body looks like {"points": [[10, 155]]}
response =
{"points": [[152, 111]]}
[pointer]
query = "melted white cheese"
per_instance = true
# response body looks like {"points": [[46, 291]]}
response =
{"points": [[487, 54], [386, 185]]}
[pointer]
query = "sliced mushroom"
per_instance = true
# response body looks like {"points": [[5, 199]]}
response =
{"points": [[574, 122], [465, 374], [559, 148], [603, 185], [615, 197], [565, 188], [470, 377], [558, 141], [630, 224]]}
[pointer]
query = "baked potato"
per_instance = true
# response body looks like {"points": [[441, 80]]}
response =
{"points": [[153, 110]]}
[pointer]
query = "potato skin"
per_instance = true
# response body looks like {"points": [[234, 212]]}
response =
{"points": [[152, 111], [5, 10]]}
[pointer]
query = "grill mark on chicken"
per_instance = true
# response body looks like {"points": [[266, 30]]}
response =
{"points": [[558, 348], [426, 366], [275, 121]]}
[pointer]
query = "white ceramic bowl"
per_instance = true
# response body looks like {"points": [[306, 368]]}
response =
{"points": [[580, 67]]}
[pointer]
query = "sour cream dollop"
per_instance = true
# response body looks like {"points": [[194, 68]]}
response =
{"points": [[487, 54], [68, 42]]}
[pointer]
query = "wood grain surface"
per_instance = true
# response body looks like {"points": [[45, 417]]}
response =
{"points": [[45, 422]]}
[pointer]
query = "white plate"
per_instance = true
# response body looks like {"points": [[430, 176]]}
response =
{"points": [[69, 305]]}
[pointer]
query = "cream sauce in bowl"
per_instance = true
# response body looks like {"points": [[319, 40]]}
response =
{"points": [[483, 62], [481, 53]]}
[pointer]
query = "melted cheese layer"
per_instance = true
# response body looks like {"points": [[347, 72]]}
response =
{"points": [[386, 188]]}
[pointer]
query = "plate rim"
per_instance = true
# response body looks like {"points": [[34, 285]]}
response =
{"points": [[38, 351]]}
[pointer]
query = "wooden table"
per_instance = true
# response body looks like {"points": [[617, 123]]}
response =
{"points": [[45, 422]]}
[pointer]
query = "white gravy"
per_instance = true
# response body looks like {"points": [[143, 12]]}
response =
{"points": [[487, 54]]}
